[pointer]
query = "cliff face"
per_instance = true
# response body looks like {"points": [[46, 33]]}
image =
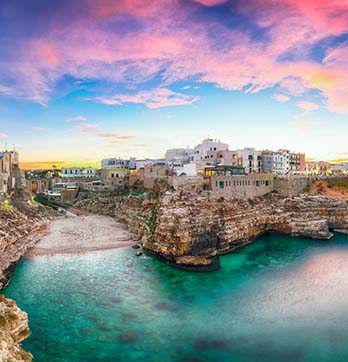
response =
{"points": [[138, 212], [187, 227], [21, 225], [13, 329], [190, 224]]}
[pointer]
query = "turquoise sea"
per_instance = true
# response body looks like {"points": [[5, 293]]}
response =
{"points": [[279, 299]]}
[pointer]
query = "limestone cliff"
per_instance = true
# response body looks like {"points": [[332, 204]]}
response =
{"points": [[21, 225], [187, 227], [138, 212], [13, 329], [190, 224]]}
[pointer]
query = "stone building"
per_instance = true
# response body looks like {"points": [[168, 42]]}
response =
{"points": [[232, 183], [223, 158], [10, 176], [113, 175]]}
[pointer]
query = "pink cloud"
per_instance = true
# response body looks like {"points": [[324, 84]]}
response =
{"points": [[211, 2], [282, 98], [308, 107], [162, 43], [86, 128], [3, 136], [114, 136], [93, 129], [49, 53]]}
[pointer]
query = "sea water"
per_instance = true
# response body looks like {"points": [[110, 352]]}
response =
{"points": [[278, 299]]}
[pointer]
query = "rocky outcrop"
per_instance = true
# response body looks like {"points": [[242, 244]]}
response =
{"points": [[22, 224], [188, 228], [13, 329], [138, 212], [189, 223]]}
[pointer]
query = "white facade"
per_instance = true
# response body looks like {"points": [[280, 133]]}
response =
{"points": [[178, 156], [200, 152], [90, 172], [189, 169], [281, 162], [143, 163], [251, 159], [76, 172]]}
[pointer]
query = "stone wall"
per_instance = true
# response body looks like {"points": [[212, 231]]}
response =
{"points": [[179, 181], [292, 185]]}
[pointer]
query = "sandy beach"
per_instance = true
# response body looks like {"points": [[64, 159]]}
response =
{"points": [[78, 234]]}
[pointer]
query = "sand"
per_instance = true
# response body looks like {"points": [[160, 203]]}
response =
{"points": [[78, 234]]}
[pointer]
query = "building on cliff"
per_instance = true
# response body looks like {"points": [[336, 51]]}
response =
{"points": [[233, 183], [250, 159], [283, 162], [10, 176], [76, 172]]}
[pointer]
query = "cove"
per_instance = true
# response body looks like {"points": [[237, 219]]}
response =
{"points": [[278, 299]]}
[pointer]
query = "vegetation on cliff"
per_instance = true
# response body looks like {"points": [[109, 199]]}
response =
{"points": [[336, 187]]}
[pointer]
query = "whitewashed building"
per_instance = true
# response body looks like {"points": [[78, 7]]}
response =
{"points": [[77, 172], [250, 159]]}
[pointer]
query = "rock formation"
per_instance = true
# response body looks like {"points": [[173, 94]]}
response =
{"points": [[13, 329], [21, 225], [188, 228]]}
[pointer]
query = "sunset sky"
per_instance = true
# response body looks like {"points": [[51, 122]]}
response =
{"points": [[81, 80]]}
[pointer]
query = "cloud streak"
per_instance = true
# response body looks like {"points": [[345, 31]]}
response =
{"points": [[156, 98], [94, 129]]}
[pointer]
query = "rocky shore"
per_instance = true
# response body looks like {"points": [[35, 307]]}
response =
{"points": [[13, 330], [188, 229], [22, 224]]}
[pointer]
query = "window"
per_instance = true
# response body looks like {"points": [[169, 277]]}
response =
{"points": [[257, 183], [267, 183], [221, 184]]}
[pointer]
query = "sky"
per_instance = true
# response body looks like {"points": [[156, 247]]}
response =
{"points": [[82, 80]]}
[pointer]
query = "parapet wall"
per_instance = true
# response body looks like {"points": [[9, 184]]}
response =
{"points": [[293, 185]]}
